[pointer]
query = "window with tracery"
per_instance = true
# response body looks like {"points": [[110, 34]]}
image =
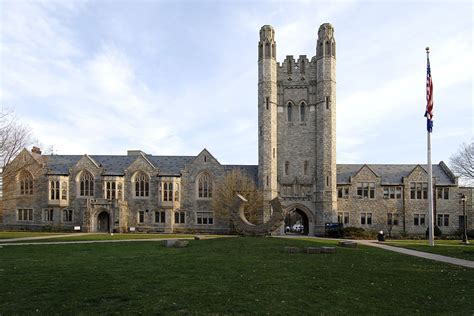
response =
{"points": [[205, 186], [303, 112], [26, 183], [86, 184], [290, 112], [142, 185]]}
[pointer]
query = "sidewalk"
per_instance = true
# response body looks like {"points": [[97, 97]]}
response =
{"points": [[40, 237], [425, 255]]}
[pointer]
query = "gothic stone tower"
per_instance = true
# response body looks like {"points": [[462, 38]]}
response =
{"points": [[297, 116], [267, 116]]}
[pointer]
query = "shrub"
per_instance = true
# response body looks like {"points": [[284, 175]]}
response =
{"points": [[354, 232], [437, 231]]}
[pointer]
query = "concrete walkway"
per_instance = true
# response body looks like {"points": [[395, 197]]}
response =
{"points": [[88, 241], [421, 254]]}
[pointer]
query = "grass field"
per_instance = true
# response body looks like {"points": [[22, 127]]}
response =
{"points": [[451, 248], [88, 236], [226, 276], [13, 234]]}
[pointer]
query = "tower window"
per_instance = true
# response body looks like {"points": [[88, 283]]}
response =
{"points": [[274, 154], [267, 101], [290, 112], [328, 49], [302, 112], [305, 168], [273, 51], [268, 181], [287, 167], [328, 101], [267, 50], [327, 181]]}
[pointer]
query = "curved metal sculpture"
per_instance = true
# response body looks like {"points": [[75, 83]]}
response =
{"points": [[244, 227]]}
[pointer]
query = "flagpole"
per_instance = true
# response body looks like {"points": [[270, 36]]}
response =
{"points": [[430, 181]]}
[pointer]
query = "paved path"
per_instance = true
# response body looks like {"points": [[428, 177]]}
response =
{"points": [[421, 254], [87, 241]]}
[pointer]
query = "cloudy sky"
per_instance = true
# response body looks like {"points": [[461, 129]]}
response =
{"points": [[174, 77]]}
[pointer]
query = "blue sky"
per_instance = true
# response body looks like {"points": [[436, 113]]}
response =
{"points": [[174, 77]]}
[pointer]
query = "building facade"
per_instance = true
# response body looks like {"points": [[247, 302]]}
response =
{"points": [[297, 163]]}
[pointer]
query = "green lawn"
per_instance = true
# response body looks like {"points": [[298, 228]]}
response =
{"points": [[450, 248], [14, 234], [226, 276], [110, 237]]}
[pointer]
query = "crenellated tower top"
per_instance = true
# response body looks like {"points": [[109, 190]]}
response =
{"points": [[267, 44]]}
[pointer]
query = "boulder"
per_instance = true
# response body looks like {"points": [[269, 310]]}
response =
{"points": [[291, 249], [348, 244], [313, 250], [328, 249]]}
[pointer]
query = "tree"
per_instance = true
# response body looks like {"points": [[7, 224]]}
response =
{"points": [[238, 182], [462, 163], [13, 136]]}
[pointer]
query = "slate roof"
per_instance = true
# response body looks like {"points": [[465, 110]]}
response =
{"points": [[251, 170], [390, 174], [172, 165], [116, 164]]}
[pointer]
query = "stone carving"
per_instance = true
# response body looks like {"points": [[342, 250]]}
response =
{"points": [[244, 227]]}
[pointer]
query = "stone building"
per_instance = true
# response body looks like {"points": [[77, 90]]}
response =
{"points": [[297, 163]]}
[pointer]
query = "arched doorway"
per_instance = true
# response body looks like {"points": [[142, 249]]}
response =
{"points": [[103, 221], [296, 222]]}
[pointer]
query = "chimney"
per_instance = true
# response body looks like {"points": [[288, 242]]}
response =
{"points": [[36, 150]]}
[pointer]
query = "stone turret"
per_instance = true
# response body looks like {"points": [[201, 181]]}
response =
{"points": [[267, 116], [326, 195]]}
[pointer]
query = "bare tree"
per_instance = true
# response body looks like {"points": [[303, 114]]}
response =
{"points": [[238, 182], [462, 163], [13, 136]]}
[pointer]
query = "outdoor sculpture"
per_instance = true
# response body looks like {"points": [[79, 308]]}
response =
{"points": [[244, 227]]}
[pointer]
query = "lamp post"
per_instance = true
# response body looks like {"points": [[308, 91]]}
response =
{"points": [[463, 201]]}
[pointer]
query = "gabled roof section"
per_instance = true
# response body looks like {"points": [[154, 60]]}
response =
{"points": [[92, 160], [171, 165], [206, 152], [391, 174], [370, 169]]}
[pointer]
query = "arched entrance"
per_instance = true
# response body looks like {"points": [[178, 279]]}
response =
{"points": [[296, 222], [103, 222], [299, 220]]}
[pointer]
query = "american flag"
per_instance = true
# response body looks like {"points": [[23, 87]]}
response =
{"points": [[429, 97]]}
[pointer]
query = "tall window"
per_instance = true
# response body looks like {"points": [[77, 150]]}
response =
{"points": [[67, 215], [305, 167], [343, 192], [303, 112], [142, 185], [26, 183], [110, 190], [54, 190], [418, 190], [141, 217], [366, 218], [86, 184], [25, 214], [290, 111], [176, 192], [343, 217], [160, 217], [48, 215], [442, 193], [392, 219], [64, 190], [419, 219], [167, 190], [205, 186], [179, 217], [287, 167], [443, 220], [366, 190]]}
